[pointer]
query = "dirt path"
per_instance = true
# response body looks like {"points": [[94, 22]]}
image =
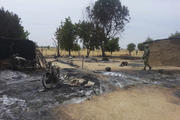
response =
{"points": [[139, 103]]}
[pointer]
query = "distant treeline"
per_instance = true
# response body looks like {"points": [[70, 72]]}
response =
{"points": [[11, 25]]}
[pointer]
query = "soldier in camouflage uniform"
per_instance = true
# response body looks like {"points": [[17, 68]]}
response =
{"points": [[146, 57]]}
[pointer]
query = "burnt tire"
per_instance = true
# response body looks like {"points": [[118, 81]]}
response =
{"points": [[45, 84]]}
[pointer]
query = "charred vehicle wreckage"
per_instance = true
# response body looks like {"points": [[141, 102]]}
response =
{"points": [[54, 78], [51, 78]]}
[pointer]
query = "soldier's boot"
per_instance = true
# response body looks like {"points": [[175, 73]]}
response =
{"points": [[149, 67], [144, 67]]}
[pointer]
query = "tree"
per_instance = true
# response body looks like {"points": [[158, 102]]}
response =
{"points": [[58, 38], [149, 39], [175, 35], [66, 35], [86, 32], [112, 45], [110, 18], [56, 44], [131, 47], [48, 47], [10, 25], [141, 46], [76, 47]]}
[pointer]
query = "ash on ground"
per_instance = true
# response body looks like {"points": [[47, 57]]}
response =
{"points": [[21, 99]]}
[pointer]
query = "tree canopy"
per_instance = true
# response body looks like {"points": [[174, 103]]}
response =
{"points": [[10, 25], [76, 47], [141, 46], [105, 20], [66, 35], [175, 35], [131, 47], [112, 45], [109, 17], [149, 39], [86, 32]]}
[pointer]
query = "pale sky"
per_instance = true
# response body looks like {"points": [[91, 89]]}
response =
{"points": [[154, 18]]}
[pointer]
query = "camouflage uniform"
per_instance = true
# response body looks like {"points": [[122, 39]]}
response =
{"points": [[146, 57]]}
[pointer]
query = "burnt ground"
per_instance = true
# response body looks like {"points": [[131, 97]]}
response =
{"points": [[21, 99], [126, 79], [131, 78]]}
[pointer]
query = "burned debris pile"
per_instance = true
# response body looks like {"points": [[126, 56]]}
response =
{"points": [[17, 54], [10, 47]]}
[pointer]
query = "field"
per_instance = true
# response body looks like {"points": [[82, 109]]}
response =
{"points": [[115, 60], [91, 65], [52, 52]]}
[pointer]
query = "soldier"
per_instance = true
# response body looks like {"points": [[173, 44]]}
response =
{"points": [[146, 57]]}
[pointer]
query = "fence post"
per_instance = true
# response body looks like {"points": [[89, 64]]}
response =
{"points": [[82, 62]]}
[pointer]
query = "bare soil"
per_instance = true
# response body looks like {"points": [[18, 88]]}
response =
{"points": [[96, 64], [137, 103]]}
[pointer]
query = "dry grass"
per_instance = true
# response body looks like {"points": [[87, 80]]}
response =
{"points": [[52, 52], [143, 103], [114, 64]]}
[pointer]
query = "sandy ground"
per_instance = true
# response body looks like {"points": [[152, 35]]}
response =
{"points": [[139, 103], [113, 63], [94, 66], [61, 65]]}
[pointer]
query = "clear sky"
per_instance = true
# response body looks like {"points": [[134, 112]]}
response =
{"points": [[154, 18]]}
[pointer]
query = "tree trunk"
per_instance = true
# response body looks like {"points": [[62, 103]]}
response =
{"points": [[69, 52], [58, 53], [103, 51], [111, 53], [88, 52]]}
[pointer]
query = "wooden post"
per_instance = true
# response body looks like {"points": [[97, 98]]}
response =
{"points": [[82, 62]]}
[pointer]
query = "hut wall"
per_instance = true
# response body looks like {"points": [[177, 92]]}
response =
{"points": [[24, 48], [165, 53]]}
